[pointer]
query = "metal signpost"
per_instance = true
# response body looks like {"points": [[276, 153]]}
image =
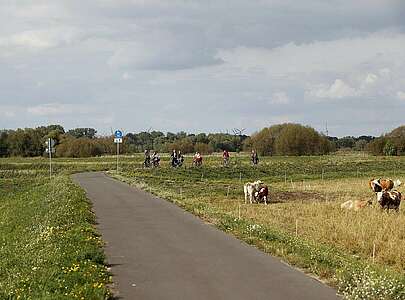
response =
{"points": [[118, 140], [50, 148]]}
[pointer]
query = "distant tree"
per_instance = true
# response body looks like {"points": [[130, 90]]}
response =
{"points": [[201, 138], [263, 141], [392, 143], [360, 145], [203, 148], [289, 139], [171, 137], [390, 149], [3, 144], [79, 147], [185, 145], [82, 133], [346, 142], [397, 132]]}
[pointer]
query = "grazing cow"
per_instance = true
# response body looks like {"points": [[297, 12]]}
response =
{"points": [[355, 204], [250, 189], [263, 194], [389, 200], [379, 185]]}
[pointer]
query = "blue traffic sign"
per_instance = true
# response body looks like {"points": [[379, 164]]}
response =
{"points": [[118, 134]]}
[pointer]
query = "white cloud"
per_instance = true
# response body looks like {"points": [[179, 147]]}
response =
{"points": [[339, 89], [126, 76], [39, 39], [280, 98], [401, 95], [347, 55], [57, 109], [162, 51], [49, 109], [371, 78], [7, 112]]}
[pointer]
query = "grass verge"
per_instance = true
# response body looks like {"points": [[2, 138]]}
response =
{"points": [[48, 244]]}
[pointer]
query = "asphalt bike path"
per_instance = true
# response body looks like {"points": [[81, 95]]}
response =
{"points": [[159, 251]]}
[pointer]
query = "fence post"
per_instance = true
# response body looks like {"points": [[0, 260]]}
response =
{"points": [[296, 227], [373, 252]]}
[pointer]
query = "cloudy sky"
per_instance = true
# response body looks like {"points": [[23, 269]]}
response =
{"points": [[206, 65]]}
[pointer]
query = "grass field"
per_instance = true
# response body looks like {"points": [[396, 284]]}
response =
{"points": [[361, 253], [49, 247]]}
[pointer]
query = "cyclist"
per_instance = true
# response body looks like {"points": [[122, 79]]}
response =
{"points": [[146, 162], [254, 157], [225, 156], [155, 159]]}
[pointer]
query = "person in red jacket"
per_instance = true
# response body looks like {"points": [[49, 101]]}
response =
{"points": [[225, 156]]}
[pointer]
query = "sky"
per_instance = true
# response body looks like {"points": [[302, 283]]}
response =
{"points": [[203, 66]]}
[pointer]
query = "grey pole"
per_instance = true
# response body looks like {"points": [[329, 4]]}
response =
{"points": [[118, 152], [50, 157]]}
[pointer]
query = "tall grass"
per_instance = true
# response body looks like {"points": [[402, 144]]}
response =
{"points": [[362, 253]]}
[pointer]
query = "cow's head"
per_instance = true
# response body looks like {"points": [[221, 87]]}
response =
{"points": [[380, 196], [257, 184], [375, 185]]}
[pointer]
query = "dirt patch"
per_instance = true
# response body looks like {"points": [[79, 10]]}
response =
{"points": [[280, 197]]}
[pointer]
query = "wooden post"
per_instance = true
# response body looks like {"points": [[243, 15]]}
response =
{"points": [[296, 227], [227, 192], [240, 177], [285, 177], [373, 252], [238, 210], [322, 174]]}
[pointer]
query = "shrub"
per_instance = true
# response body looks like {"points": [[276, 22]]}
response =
{"points": [[289, 139]]}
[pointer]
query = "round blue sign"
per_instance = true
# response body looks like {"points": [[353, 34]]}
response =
{"points": [[118, 134]]}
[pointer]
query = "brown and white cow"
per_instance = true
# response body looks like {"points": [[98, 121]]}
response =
{"points": [[250, 189], [389, 200], [263, 194], [379, 185], [355, 204]]}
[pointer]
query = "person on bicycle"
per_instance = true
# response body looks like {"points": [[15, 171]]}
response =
{"points": [[173, 156], [225, 156], [197, 159], [155, 159], [146, 162], [180, 159], [254, 157]]}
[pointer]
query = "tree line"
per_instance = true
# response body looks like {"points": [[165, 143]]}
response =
{"points": [[281, 139]]}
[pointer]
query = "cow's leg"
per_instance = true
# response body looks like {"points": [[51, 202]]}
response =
{"points": [[265, 200]]}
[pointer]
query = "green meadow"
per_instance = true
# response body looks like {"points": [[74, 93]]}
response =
{"points": [[50, 247]]}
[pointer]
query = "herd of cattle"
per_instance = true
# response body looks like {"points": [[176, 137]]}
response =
{"points": [[387, 198]]}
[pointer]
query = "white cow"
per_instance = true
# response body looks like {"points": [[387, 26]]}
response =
{"points": [[250, 188]]}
